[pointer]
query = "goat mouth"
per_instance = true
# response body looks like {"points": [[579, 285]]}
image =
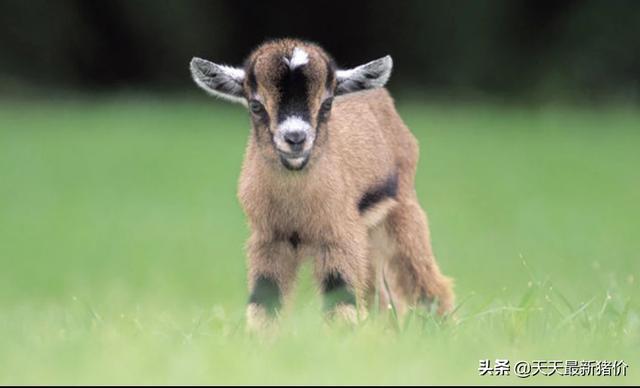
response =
{"points": [[294, 162]]}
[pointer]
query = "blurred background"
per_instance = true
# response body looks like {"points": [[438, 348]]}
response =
{"points": [[121, 238], [526, 49]]}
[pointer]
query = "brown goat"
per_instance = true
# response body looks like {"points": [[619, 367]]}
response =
{"points": [[331, 180]]}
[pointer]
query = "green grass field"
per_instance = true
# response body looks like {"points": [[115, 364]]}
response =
{"points": [[121, 249]]}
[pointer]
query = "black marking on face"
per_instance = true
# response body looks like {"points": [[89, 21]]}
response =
{"points": [[388, 189], [267, 294], [294, 240], [325, 110], [259, 113], [251, 78], [336, 291], [331, 74], [294, 94], [261, 127], [259, 118]]}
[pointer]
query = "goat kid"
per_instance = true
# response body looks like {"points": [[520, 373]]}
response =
{"points": [[329, 174]]}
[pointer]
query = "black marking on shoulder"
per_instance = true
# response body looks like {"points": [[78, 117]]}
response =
{"points": [[336, 291], [388, 189], [267, 294], [294, 240]]}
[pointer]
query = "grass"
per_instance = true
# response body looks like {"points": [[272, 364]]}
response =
{"points": [[121, 249]]}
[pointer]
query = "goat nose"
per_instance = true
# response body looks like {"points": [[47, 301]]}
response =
{"points": [[295, 138]]}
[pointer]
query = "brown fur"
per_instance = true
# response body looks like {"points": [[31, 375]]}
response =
{"points": [[363, 143], [314, 212]]}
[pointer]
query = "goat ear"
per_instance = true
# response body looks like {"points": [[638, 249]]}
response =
{"points": [[368, 76], [219, 80]]}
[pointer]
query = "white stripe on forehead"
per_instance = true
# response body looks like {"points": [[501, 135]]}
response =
{"points": [[298, 58]]}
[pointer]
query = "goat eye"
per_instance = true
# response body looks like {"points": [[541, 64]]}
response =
{"points": [[326, 105], [255, 106]]}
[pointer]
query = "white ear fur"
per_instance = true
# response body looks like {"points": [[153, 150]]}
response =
{"points": [[374, 74], [219, 80]]}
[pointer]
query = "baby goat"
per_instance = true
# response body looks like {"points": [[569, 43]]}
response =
{"points": [[331, 179]]}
